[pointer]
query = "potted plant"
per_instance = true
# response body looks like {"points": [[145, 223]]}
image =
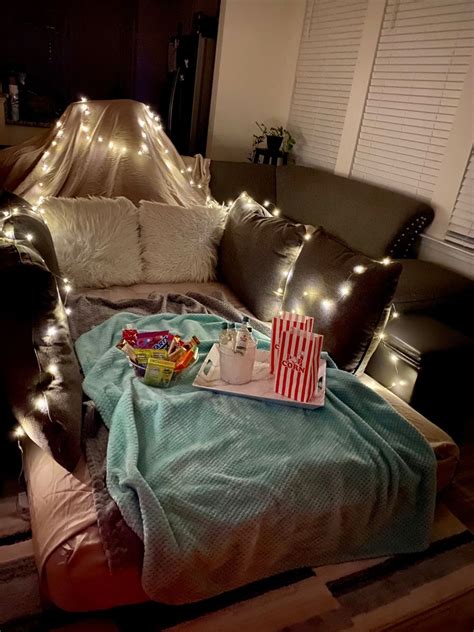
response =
{"points": [[275, 137]]}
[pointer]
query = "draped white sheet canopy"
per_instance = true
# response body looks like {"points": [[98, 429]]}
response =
{"points": [[106, 148]]}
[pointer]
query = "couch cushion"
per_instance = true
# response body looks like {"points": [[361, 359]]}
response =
{"points": [[373, 220], [39, 365], [346, 292], [96, 240], [230, 179], [255, 255], [179, 244]]}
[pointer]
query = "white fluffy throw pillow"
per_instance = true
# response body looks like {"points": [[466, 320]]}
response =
{"points": [[180, 244], [96, 240]]}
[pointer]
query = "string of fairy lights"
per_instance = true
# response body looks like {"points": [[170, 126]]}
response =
{"points": [[149, 125]]}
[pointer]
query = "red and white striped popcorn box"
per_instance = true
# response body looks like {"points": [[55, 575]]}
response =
{"points": [[297, 369], [284, 322]]}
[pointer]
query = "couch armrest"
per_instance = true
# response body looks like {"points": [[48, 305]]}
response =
{"points": [[26, 222], [442, 293]]}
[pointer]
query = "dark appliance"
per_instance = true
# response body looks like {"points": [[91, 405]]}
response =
{"points": [[191, 69]]}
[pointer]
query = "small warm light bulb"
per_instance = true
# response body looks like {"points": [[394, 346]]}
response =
{"points": [[345, 290], [41, 185], [41, 210], [100, 139], [46, 154], [305, 293], [386, 261], [84, 99], [402, 382], [189, 169], [124, 150], [393, 384], [88, 138], [6, 213], [276, 212], [359, 269], [60, 134], [66, 280], [230, 202], [52, 368], [327, 304], [54, 143], [41, 404], [266, 203], [29, 236], [111, 144], [167, 151], [307, 236], [395, 314], [51, 330], [18, 433], [393, 358], [181, 170], [156, 117], [280, 290], [191, 182], [381, 336], [15, 210], [141, 122], [58, 124], [68, 310], [140, 153]]}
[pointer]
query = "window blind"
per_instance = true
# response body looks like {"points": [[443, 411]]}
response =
{"points": [[325, 68], [418, 74], [461, 225]]}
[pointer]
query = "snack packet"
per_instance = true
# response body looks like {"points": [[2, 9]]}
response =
{"points": [[159, 372], [152, 340]]}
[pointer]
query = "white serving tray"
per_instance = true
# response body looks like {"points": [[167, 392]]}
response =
{"points": [[261, 387]]}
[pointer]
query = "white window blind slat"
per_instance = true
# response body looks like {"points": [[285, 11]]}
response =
{"points": [[421, 62], [327, 57], [461, 224]]}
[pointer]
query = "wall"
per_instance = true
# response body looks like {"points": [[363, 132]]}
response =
{"points": [[383, 93], [15, 134], [254, 73]]}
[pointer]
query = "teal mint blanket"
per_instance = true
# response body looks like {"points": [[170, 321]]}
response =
{"points": [[225, 490]]}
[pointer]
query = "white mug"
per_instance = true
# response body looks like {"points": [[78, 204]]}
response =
{"points": [[235, 367]]}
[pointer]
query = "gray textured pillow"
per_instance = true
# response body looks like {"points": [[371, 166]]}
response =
{"points": [[256, 253]]}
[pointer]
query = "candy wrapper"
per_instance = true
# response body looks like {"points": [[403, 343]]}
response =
{"points": [[282, 323], [297, 368]]}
